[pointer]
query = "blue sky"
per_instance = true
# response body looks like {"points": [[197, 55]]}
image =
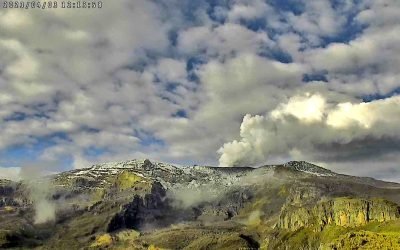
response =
{"points": [[227, 83]]}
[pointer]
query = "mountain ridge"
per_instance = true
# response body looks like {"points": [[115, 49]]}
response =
{"points": [[150, 165], [138, 164], [144, 204]]}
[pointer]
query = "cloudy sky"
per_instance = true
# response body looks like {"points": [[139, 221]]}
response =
{"points": [[222, 82]]}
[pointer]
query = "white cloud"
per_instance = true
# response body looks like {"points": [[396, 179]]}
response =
{"points": [[319, 18], [343, 57], [14, 19], [367, 64], [170, 70], [69, 72], [223, 40], [248, 10], [308, 110], [315, 123]]}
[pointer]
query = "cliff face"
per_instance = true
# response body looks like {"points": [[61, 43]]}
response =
{"points": [[148, 208], [338, 211]]}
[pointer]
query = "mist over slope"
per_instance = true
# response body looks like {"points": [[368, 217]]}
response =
{"points": [[142, 204]]}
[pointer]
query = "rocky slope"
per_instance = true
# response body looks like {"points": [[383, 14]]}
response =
{"points": [[344, 212], [141, 204]]}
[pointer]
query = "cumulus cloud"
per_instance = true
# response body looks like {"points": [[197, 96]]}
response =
{"points": [[248, 10], [223, 40], [78, 83], [244, 82], [364, 65], [170, 70], [319, 18], [306, 123]]}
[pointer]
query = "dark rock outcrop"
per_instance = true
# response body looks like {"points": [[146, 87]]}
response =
{"points": [[142, 211]]}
